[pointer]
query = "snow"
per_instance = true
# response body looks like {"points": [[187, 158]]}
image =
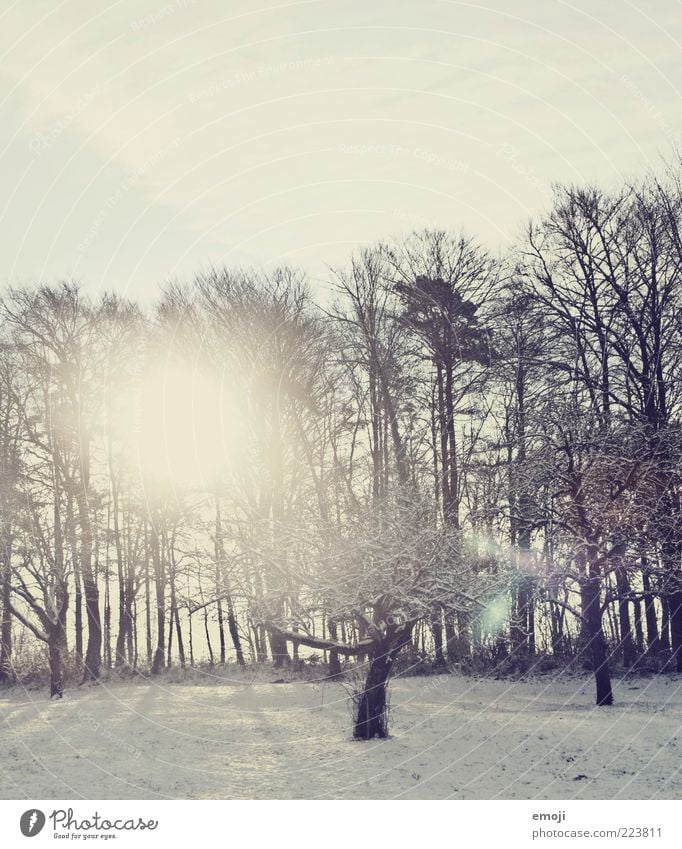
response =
{"points": [[452, 737]]}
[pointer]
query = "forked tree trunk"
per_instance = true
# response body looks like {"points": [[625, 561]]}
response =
{"points": [[371, 718]]}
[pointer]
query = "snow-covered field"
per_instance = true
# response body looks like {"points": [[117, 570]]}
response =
{"points": [[453, 737]]}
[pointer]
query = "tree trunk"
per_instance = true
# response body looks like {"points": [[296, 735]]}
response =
{"points": [[123, 620], [557, 623], [523, 522], [208, 638], [463, 634], [613, 633], [371, 718], [171, 619], [223, 587], [523, 630], [107, 619], [131, 615], [261, 644], [584, 635], [664, 640], [78, 607], [392, 416], [221, 628], [56, 646], [437, 631], [627, 645], [676, 625], [334, 662], [670, 552], [376, 437], [234, 632], [6, 670], [132, 636], [450, 637], [130, 595], [93, 651], [159, 581], [56, 672], [452, 515], [531, 616], [191, 639], [593, 616], [639, 630], [181, 644], [147, 599], [652, 638], [443, 428], [278, 649]]}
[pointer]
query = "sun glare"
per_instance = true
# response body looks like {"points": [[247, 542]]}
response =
{"points": [[188, 428]]}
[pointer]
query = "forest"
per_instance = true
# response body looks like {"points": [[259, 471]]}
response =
{"points": [[437, 459]]}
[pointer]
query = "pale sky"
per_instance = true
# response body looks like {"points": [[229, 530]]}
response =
{"points": [[144, 140]]}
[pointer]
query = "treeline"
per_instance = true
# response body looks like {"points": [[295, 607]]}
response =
{"points": [[467, 458]]}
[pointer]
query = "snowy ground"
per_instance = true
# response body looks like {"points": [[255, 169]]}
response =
{"points": [[453, 737]]}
